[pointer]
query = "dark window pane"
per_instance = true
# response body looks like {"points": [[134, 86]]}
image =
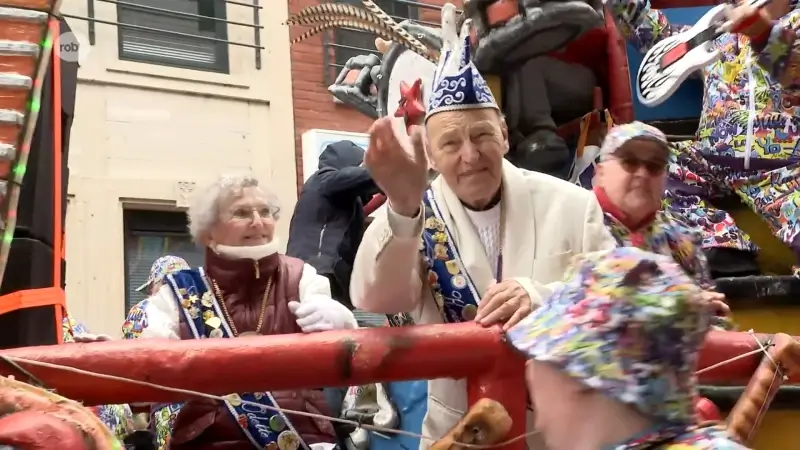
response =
{"points": [[143, 245], [175, 50], [362, 42]]}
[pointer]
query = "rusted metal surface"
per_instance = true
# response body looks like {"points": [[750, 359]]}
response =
{"points": [[214, 366]]}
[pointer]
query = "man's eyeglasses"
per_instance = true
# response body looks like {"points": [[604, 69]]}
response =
{"points": [[631, 164]]}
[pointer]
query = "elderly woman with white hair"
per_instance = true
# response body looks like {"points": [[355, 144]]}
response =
{"points": [[245, 288]]}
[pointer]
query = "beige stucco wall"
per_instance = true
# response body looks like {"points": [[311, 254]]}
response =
{"points": [[144, 133]]}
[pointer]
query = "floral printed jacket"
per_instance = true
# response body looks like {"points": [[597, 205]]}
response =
{"points": [[742, 89]]}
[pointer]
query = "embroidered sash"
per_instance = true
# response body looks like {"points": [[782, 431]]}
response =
{"points": [[453, 290], [263, 426]]}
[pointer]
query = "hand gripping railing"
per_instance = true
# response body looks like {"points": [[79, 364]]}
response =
{"points": [[284, 362]]}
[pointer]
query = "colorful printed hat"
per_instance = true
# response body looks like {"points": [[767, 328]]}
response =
{"points": [[627, 323], [620, 134], [163, 266], [457, 84]]}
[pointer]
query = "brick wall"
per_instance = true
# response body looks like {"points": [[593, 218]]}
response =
{"points": [[313, 104]]}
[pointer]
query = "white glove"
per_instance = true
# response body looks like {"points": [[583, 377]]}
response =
{"points": [[321, 313]]}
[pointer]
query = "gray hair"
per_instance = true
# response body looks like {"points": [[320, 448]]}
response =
{"points": [[204, 210]]}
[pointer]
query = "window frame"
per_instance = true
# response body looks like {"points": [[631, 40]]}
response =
{"points": [[221, 49], [332, 40], [143, 222]]}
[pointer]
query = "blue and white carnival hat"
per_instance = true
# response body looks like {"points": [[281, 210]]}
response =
{"points": [[457, 84]]}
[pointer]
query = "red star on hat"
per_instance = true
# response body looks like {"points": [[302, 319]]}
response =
{"points": [[410, 106]]}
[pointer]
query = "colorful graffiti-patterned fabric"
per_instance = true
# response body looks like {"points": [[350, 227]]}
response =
{"points": [[136, 321], [748, 133], [162, 419], [696, 438], [725, 115], [773, 194], [667, 236], [779, 55], [163, 266], [118, 418], [625, 322]]}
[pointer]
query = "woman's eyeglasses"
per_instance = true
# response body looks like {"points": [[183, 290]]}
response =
{"points": [[248, 213]]}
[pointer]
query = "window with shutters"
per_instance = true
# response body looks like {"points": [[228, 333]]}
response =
{"points": [[182, 33], [150, 235], [348, 42]]}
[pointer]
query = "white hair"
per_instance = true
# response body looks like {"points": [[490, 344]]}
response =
{"points": [[204, 209]]}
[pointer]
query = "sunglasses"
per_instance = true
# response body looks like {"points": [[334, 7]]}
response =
{"points": [[632, 164]]}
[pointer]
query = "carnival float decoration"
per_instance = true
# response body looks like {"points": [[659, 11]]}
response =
{"points": [[673, 59], [32, 418], [548, 64]]}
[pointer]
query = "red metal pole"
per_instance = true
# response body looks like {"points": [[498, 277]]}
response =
{"points": [[221, 366], [377, 201], [505, 383], [251, 364], [58, 217]]}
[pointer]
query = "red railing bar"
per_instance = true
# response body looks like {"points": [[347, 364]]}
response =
{"points": [[222, 366], [339, 358]]}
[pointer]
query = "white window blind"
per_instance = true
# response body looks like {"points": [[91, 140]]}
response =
{"points": [[184, 51]]}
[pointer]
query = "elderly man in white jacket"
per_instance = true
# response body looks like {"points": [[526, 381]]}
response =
{"points": [[485, 242]]}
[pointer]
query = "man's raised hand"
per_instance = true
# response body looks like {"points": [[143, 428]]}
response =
{"points": [[401, 175]]}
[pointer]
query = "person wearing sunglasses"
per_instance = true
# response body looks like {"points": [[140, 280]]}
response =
{"points": [[629, 183]]}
